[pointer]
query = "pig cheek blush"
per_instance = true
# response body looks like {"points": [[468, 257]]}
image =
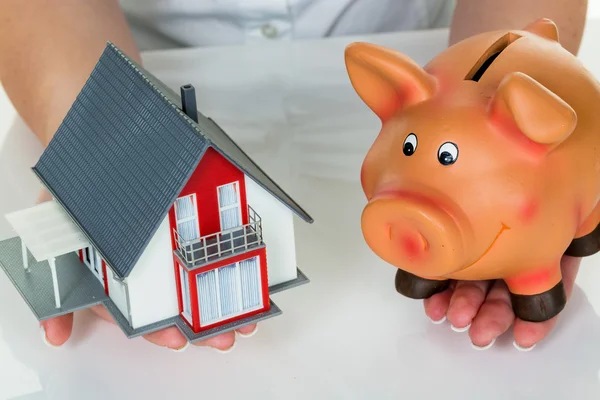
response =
{"points": [[529, 210], [525, 91]]}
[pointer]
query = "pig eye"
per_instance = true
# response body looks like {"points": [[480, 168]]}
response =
{"points": [[448, 153], [410, 145]]}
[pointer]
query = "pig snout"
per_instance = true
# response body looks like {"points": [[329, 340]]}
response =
{"points": [[413, 234]]}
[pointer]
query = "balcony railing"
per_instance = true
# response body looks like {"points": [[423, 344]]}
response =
{"points": [[212, 247]]}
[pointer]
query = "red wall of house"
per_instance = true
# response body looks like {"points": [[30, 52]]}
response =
{"points": [[105, 278], [213, 170], [261, 252]]}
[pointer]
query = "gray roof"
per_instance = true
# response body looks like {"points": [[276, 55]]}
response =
{"points": [[124, 152]]}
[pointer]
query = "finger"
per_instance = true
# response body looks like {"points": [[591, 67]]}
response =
{"points": [[465, 302], [169, 337], [528, 334], [248, 330], [173, 338], [437, 305], [569, 269], [56, 331], [223, 343], [103, 313], [495, 317]]}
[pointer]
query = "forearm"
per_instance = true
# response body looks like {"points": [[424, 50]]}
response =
{"points": [[49, 48], [476, 16]]}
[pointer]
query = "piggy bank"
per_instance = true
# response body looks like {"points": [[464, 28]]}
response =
{"points": [[487, 164]]}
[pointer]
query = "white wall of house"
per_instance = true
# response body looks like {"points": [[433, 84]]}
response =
{"points": [[117, 292], [278, 232], [151, 284]]}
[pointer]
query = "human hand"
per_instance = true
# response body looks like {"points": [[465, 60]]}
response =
{"points": [[56, 331], [484, 309]]}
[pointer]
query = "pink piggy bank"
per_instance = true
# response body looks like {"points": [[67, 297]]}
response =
{"points": [[487, 165]]}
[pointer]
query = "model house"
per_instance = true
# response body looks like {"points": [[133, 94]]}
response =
{"points": [[156, 213]]}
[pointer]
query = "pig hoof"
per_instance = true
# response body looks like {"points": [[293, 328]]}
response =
{"points": [[586, 245], [540, 307], [414, 287]]}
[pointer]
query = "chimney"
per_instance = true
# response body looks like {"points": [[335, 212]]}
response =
{"points": [[188, 101]]}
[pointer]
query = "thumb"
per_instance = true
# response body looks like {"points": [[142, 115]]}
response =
{"points": [[56, 331]]}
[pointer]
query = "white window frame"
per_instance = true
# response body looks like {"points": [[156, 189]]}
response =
{"points": [[238, 285], [95, 263], [86, 251], [237, 204], [195, 215], [185, 295]]}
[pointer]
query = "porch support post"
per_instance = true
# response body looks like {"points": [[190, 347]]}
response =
{"points": [[55, 281], [24, 252]]}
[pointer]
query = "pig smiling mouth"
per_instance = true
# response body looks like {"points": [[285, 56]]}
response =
{"points": [[500, 232]]}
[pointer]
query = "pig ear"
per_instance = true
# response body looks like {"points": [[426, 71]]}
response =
{"points": [[386, 80], [538, 113], [543, 27]]}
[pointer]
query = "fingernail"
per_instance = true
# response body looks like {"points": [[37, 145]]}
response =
{"points": [[439, 321], [45, 338], [181, 349], [247, 335], [455, 329], [483, 347], [522, 348], [229, 350]]}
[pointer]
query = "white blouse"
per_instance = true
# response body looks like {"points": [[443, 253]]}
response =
{"points": [[177, 23]]}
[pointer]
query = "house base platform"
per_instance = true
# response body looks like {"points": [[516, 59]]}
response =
{"points": [[77, 285], [183, 327], [280, 287]]}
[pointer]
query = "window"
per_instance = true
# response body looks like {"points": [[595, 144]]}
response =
{"points": [[230, 209], [93, 260], [229, 291], [97, 262], [185, 294], [186, 215]]}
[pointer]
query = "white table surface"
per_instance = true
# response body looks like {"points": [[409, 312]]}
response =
{"points": [[346, 335]]}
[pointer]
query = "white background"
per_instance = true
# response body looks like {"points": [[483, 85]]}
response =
{"points": [[347, 334], [593, 9]]}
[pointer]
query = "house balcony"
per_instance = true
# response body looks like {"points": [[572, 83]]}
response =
{"points": [[210, 248]]}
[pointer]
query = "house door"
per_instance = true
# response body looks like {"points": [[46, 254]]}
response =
{"points": [[230, 208], [186, 215], [229, 291]]}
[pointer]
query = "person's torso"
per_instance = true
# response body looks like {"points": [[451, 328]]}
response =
{"points": [[169, 23]]}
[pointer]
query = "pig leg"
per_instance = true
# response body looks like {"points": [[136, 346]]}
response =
{"points": [[537, 296], [587, 237], [586, 245], [415, 287]]}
